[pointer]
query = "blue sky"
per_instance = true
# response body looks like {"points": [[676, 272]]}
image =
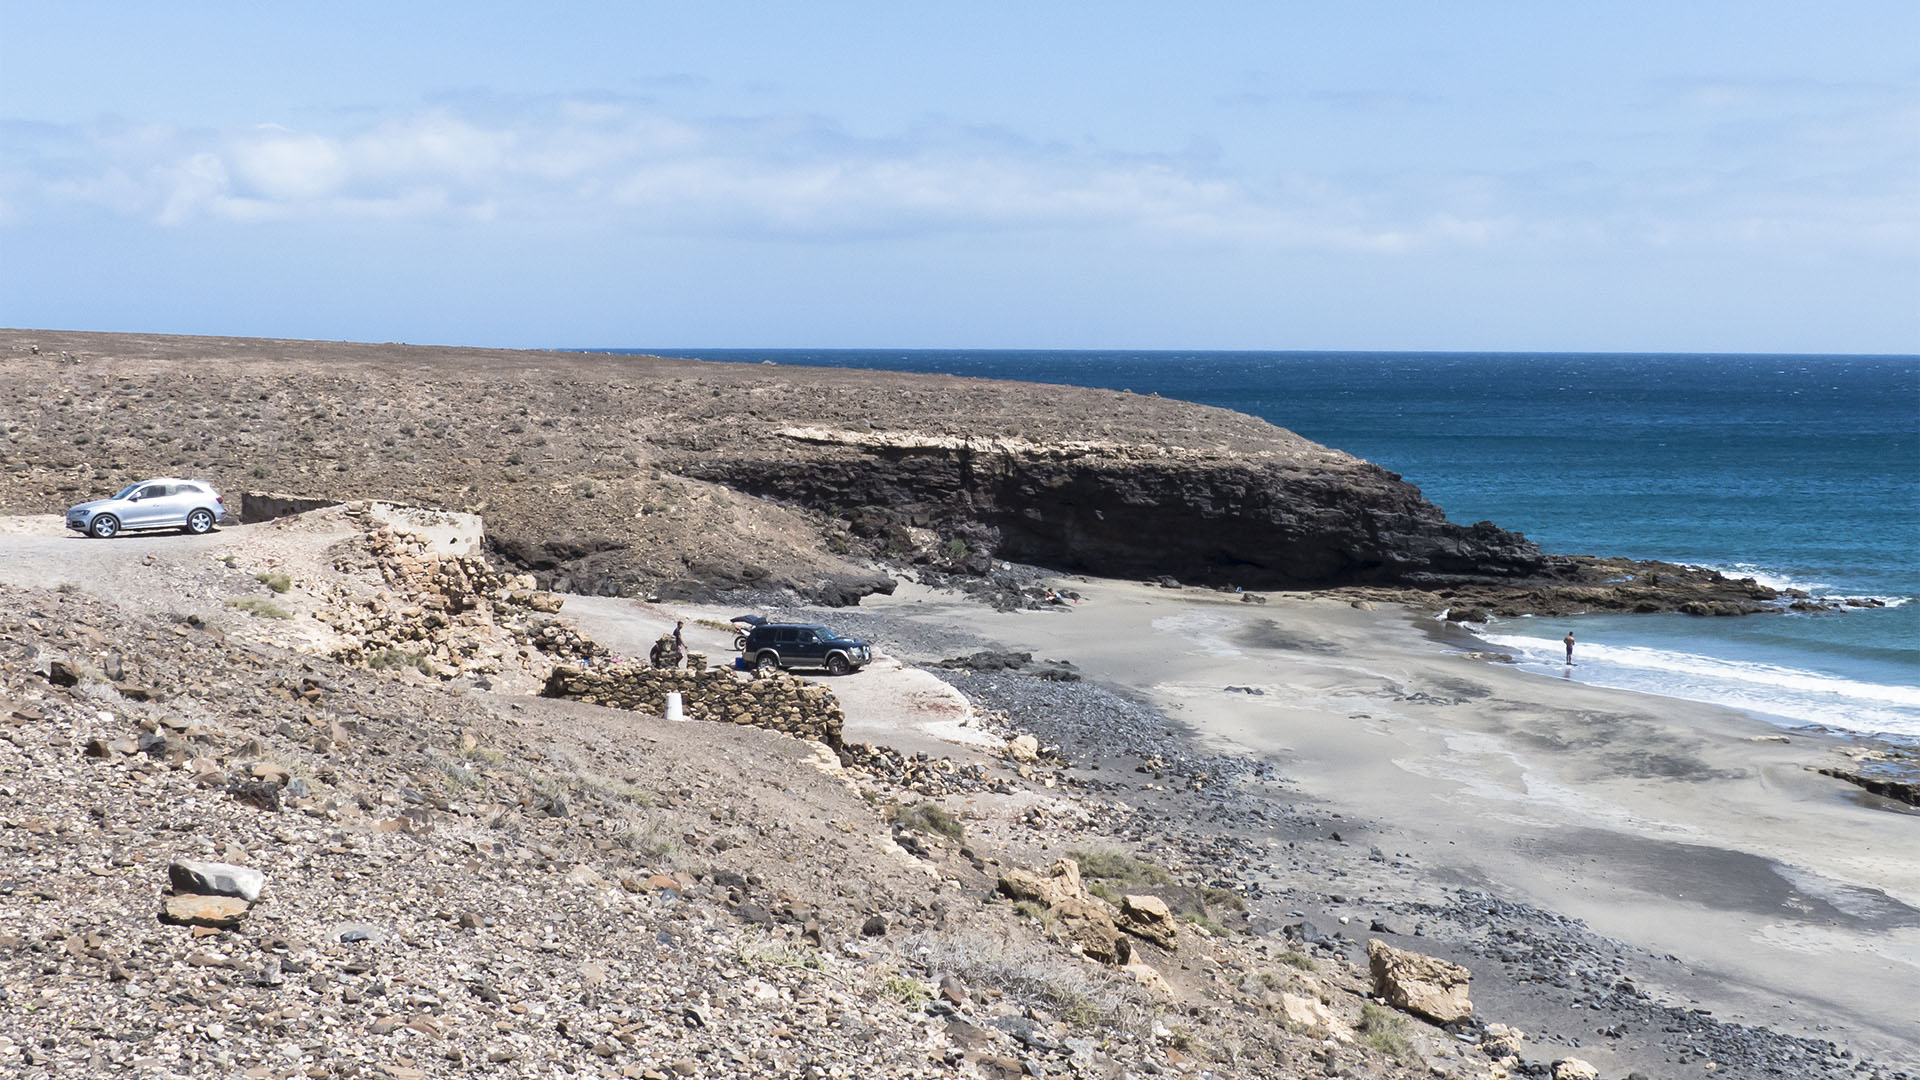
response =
{"points": [[1700, 176]]}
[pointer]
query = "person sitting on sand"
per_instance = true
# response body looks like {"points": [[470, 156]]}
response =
{"points": [[1568, 640]]}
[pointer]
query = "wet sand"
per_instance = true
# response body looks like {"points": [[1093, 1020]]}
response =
{"points": [[1786, 898]]}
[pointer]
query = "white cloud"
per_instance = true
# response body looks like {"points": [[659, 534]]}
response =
{"points": [[620, 165], [287, 167]]}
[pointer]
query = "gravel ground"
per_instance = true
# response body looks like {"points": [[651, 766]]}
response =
{"points": [[1304, 866]]}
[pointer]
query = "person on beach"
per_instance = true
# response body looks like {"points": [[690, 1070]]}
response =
{"points": [[1568, 640]]}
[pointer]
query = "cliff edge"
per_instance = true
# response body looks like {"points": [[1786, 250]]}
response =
{"points": [[651, 475]]}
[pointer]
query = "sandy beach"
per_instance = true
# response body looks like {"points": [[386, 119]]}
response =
{"points": [[1761, 891]]}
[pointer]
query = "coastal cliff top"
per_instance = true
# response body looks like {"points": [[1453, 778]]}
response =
{"points": [[658, 393]]}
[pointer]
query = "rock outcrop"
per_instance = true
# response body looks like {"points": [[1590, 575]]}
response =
{"points": [[1420, 984], [1889, 771], [1290, 517]]}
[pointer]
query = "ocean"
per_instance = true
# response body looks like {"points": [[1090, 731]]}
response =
{"points": [[1799, 471]]}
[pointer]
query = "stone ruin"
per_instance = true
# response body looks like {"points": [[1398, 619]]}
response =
{"points": [[447, 613]]}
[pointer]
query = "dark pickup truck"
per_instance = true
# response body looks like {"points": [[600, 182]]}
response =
{"points": [[773, 646]]}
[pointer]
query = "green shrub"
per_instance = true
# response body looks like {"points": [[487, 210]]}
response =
{"points": [[904, 990], [259, 605], [276, 581], [1225, 898], [1200, 918], [391, 659], [1295, 959], [1038, 912], [1384, 1031], [928, 817], [1119, 867]]}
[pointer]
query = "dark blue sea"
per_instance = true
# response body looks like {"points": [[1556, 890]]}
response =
{"points": [[1800, 471]]}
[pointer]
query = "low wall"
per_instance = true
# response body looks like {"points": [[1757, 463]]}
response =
{"points": [[779, 702], [258, 506]]}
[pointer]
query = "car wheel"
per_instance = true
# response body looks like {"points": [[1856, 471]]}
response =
{"points": [[837, 665], [740, 643], [199, 522], [767, 662], [104, 526]]}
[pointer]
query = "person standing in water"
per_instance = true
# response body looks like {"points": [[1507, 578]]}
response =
{"points": [[1568, 640]]}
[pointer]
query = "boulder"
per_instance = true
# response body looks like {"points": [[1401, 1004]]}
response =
{"points": [[216, 879], [1145, 976], [1023, 748], [221, 912], [1420, 984], [1501, 1041], [1060, 884], [1309, 1014], [1147, 918], [1574, 1069], [1087, 924]]}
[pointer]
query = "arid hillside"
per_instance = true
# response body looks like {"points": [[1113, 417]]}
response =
{"points": [[627, 475]]}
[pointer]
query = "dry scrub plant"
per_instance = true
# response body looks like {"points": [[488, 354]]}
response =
{"points": [[1076, 991]]}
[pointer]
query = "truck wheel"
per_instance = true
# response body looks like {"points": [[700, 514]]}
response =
{"points": [[837, 665], [767, 663]]}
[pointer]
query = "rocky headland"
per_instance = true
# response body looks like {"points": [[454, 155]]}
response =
{"points": [[618, 475]]}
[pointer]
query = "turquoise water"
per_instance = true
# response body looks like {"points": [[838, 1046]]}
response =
{"points": [[1801, 471]]}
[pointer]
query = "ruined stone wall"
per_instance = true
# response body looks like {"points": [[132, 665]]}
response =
{"points": [[444, 613], [779, 702], [258, 506]]}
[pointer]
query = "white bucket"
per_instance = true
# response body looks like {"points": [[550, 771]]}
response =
{"points": [[673, 706]]}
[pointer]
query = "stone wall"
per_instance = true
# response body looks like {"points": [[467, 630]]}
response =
{"points": [[777, 701], [258, 506]]}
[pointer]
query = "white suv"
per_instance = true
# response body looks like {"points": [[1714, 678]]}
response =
{"points": [[163, 503]]}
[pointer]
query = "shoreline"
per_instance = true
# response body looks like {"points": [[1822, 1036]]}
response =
{"points": [[1492, 652], [1317, 760], [1685, 830], [1763, 671]]}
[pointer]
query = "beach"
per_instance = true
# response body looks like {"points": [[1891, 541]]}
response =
{"points": [[1751, 886]]}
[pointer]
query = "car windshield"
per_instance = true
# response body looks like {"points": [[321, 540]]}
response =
{"points": [[127, 492]]}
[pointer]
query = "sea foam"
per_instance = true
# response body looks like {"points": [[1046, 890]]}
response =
{"points": [[1779, 694]]}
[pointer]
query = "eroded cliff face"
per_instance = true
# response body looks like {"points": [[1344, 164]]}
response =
{"points": [[1259, 519], [650, 475]]}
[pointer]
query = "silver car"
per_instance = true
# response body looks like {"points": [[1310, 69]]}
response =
{"points": [[163, 503]]}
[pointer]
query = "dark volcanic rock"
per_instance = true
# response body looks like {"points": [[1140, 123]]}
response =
{"points": [[1295, 515]]}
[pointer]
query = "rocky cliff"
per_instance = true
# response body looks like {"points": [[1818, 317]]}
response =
{"points": [[1259, 518], [620, 475]]}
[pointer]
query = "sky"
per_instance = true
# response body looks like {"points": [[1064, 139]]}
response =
{"points": [[1705, 176]]}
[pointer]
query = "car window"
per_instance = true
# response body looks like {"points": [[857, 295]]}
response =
{"points": [[153, 491], [808, 637], [127, 491], [189, 489], [787, 634]]}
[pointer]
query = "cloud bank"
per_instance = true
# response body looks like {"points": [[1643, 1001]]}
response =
{"points": [[627, 166]]}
